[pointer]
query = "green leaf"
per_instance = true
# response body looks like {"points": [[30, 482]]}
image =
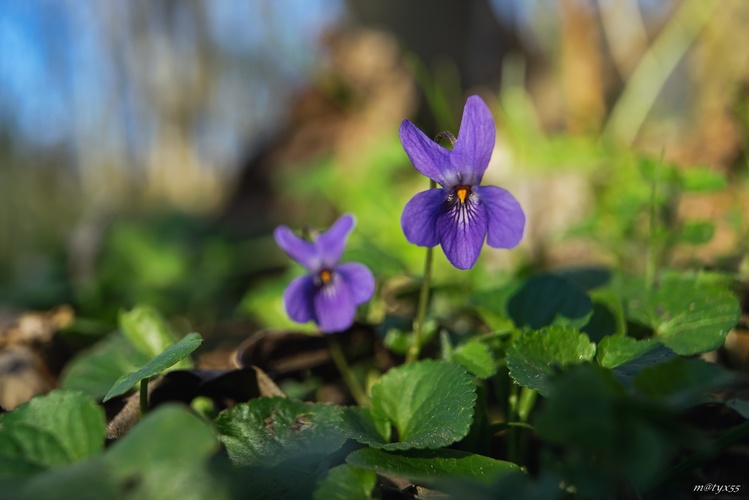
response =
{"points": [[740, 406], [703, 180], [430, 404], [95, 371], [655, 171], [397, 340], [533, 355], [267, 431], [346, 482], [431, 465], [696, 232], [146, 329], [492, 307], [89, 480], [165, 456], [689, 315], [608, 437], [292, 479], [476, 357], [513, 486], [628, 357], [59, 428], [616, 350], [547, 300], [681, 382], [365, 426], [155, 366], [603, 322]]}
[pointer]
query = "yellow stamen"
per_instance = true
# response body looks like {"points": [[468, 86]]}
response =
{"points": [[462, 193], [325, 277]]}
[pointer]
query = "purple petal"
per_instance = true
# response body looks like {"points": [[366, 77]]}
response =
{"points": [[461, 230], [359, 279], [298, 299], [334, 306], [506, 217], [427, 156], [419, 219], [330, 244], [476, 137], [298, 249]]}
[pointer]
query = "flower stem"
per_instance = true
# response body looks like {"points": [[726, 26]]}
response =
{"points": [[421, 311], [513, 436], [343, 367], [652, 258], [143, 396]]}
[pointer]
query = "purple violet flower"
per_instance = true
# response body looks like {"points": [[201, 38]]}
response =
{"points": [[329, 294], [460, 214]]}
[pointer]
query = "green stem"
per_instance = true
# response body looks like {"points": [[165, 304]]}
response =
{"points": [[348, 376], [650, 259], [513, 436], [144, 396], [526, 402], [421, 311], [653, 257]]}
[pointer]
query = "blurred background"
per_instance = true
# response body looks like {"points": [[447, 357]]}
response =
{"points": [[148, 148]]}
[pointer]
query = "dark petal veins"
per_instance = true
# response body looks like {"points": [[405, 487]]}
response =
{"points": [[428, 157], [419, 218], [298, 249], [462, 229], [476, 137], [334, 306], [505, 215], [359, 279], [330, 244], [298, 299]]}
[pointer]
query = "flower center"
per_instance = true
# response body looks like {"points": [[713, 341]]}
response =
{"points": [[326, 276], [462, 193]]}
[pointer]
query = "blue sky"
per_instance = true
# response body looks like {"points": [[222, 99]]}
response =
{"points": [[56, 74]]}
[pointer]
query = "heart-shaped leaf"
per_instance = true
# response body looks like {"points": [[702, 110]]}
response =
{"points": [[431, 465], [165, 455], [97, 369], [155, 366], [476, 357], [627, 356], [548, 299], [539, 301], [87, 480], [147, 330], [363, 425], [59, 428], [681, 382], [689, 315], [609, 434], [533, 355], [429, 403], [346, 482], [616, 350], [267, 431]]}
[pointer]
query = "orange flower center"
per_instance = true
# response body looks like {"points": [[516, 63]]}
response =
{"points": [[462, 193], [326, 276]]}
